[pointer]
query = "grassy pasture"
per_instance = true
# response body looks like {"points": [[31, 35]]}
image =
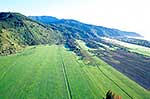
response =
{"points": [[52, 72]]}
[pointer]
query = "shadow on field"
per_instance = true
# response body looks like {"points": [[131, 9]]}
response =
{"points": [[133, 65]]}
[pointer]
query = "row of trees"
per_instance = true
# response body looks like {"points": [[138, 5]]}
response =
{"points": [[136, 41]]}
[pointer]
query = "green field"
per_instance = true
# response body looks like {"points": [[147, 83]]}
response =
{"points": [[132, 47], [53, 72]]}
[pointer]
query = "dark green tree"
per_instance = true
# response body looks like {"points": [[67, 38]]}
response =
{"points": [[111, 95]]}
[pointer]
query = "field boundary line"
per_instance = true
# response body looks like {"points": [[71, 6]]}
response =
{"points": [[65, 76], [85, 71], [113, 81], [8, 69]]}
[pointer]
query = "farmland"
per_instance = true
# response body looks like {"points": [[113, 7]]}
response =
{"points": [[53, 72], [135, 66], [131, 47]]}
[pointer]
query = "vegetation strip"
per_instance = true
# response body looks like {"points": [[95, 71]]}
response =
{"points": [[8, 69], [65, 76], [85, 72], [113, 81]]}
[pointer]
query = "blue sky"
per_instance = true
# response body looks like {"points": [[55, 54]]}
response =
{"points": [[129, 15]]}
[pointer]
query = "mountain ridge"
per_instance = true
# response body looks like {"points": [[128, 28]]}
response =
{"points": [[72, 22], [18, 31]]}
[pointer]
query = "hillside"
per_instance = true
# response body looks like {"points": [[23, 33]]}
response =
{"points": [[81, 30], [18, 31]]}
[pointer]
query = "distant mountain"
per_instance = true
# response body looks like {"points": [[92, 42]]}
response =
{"points": [[44, 19], [18, 31], [85, 30]]}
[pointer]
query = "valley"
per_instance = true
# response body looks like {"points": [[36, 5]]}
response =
{"points": [[42, 57]]}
